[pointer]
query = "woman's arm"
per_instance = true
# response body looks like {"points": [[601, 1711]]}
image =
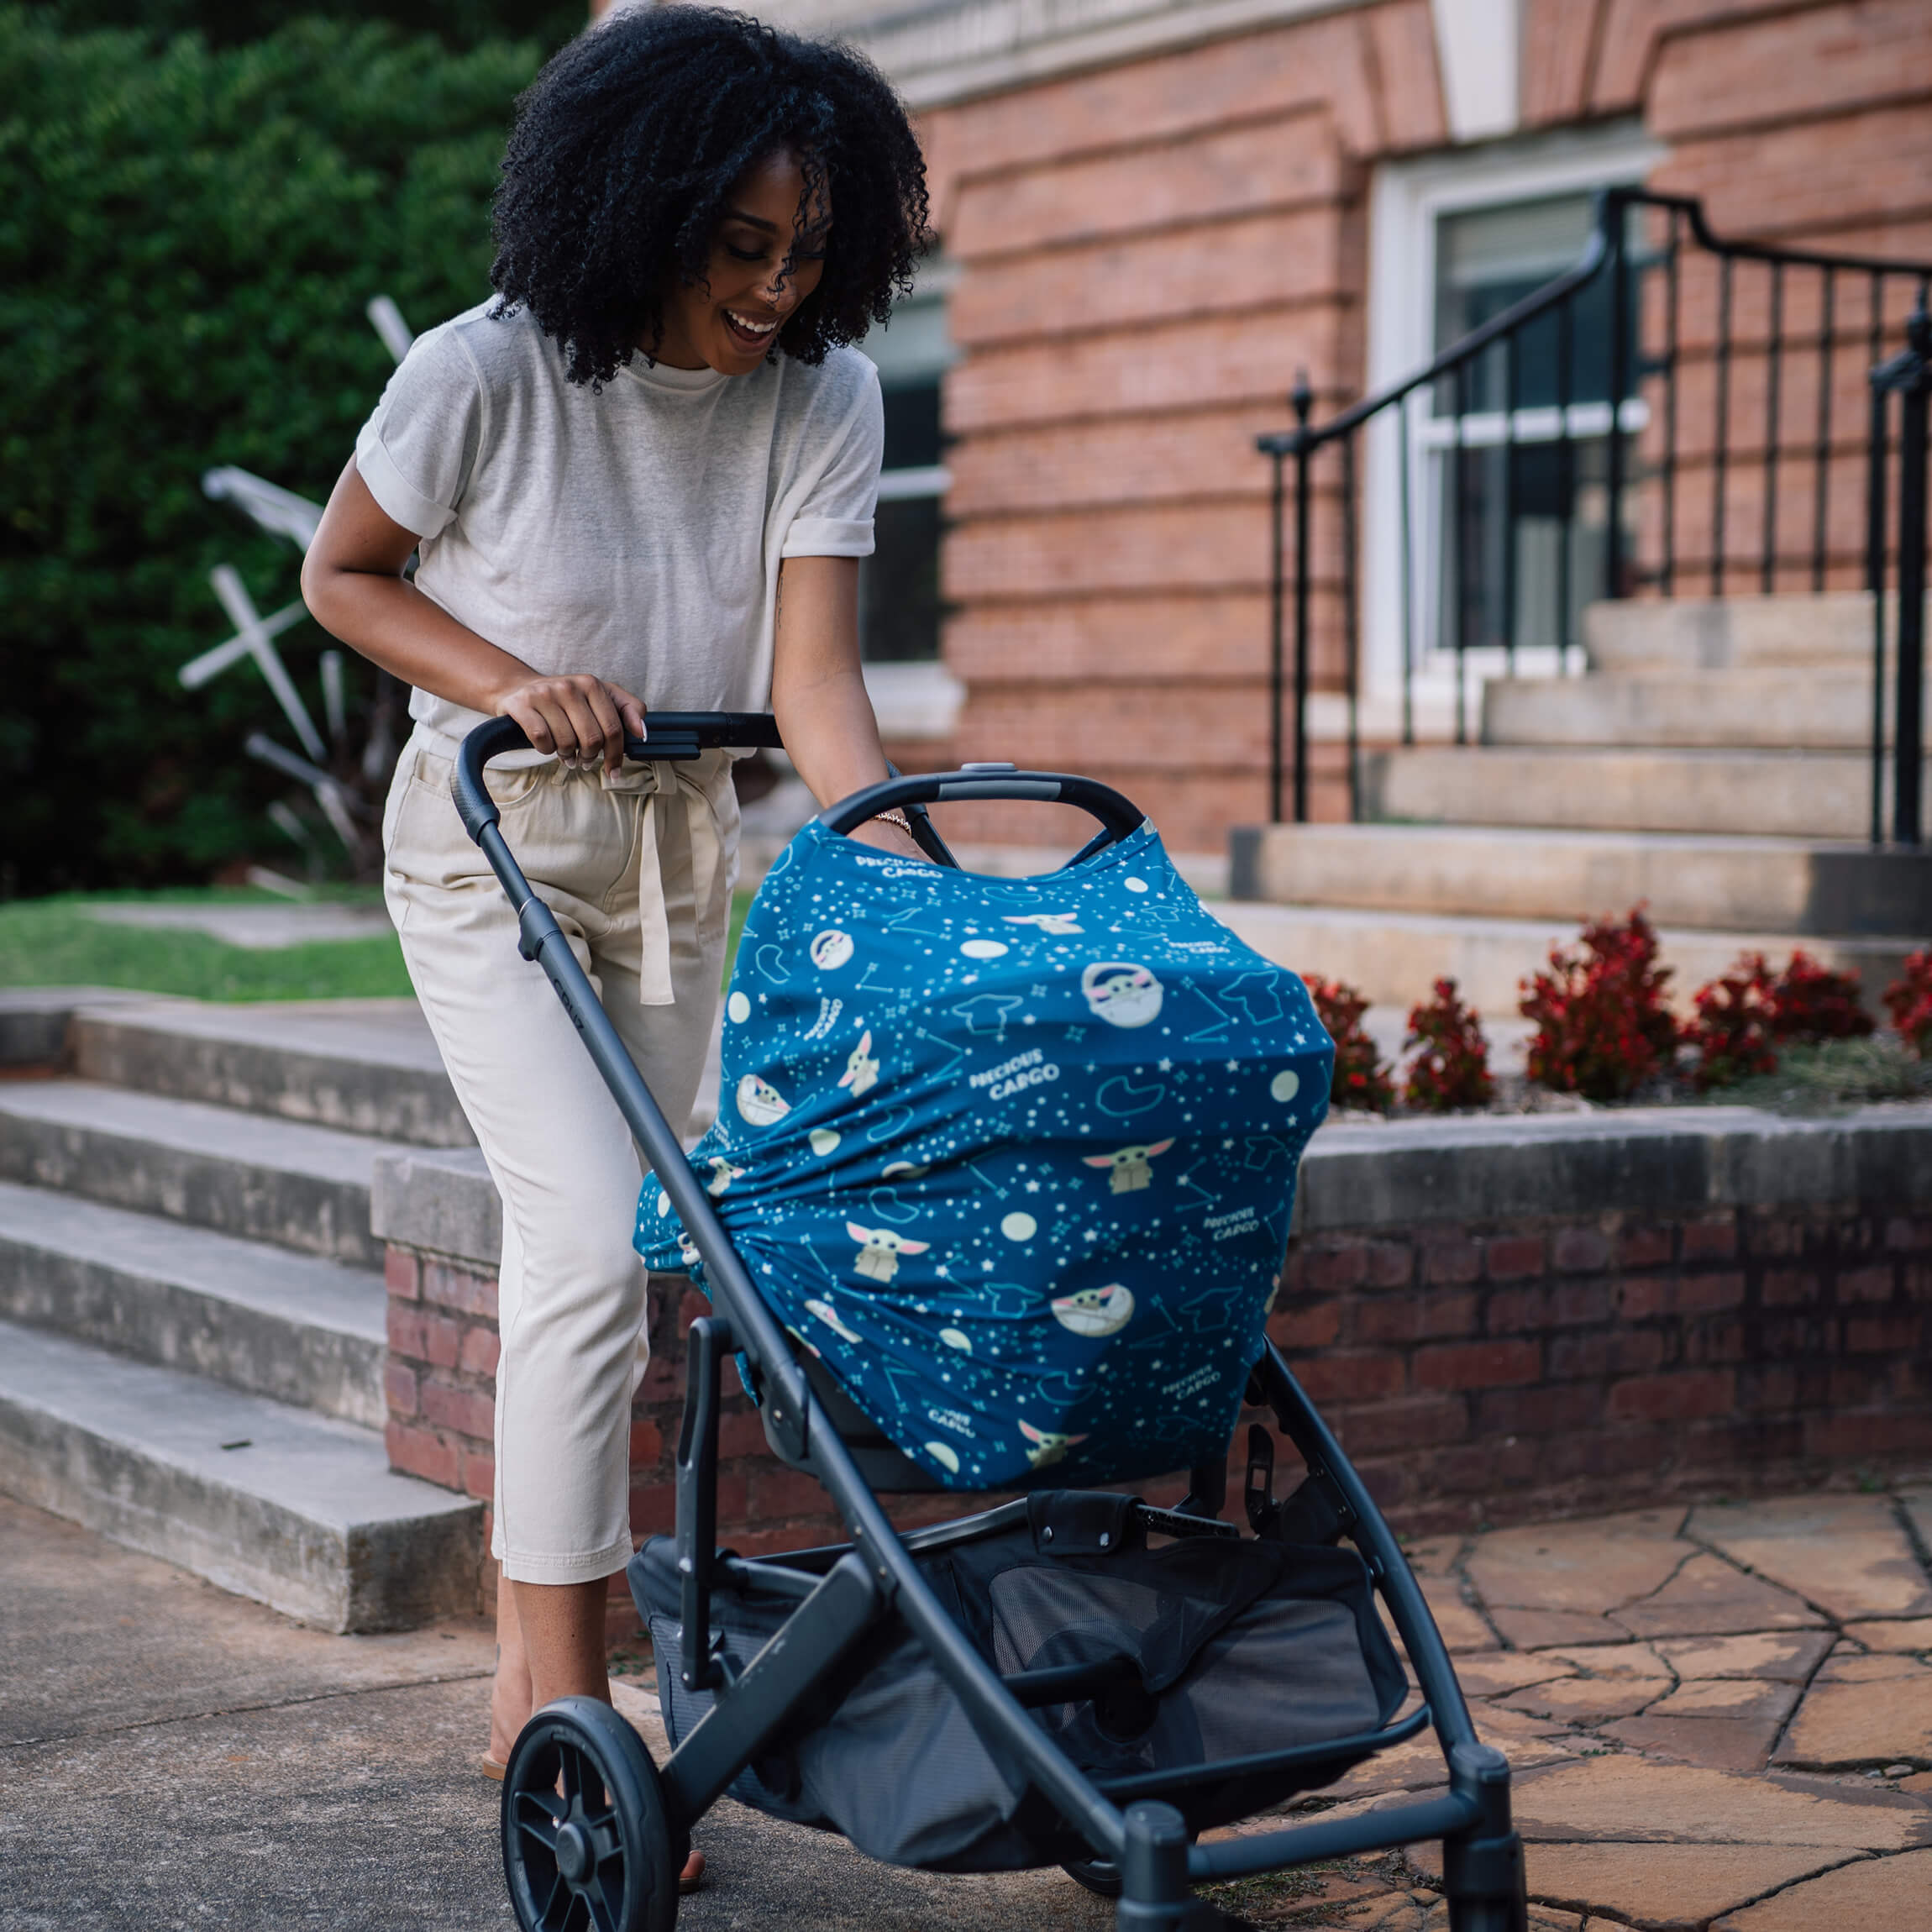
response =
{"points": [[352, 581], [818, 692]]}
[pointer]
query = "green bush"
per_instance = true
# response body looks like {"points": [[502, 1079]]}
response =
{"points": [[460, 23], [188, 236]]}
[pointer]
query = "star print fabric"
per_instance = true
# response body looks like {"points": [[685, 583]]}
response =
{"points": [[1014, 1158]]}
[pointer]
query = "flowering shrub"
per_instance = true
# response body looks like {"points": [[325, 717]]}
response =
{"points": [[1453, 1068], [1810, 1002], [1735, 1026], [1910, 1002], [1602, 1025], [1360, 1074], [1744, 1018]]}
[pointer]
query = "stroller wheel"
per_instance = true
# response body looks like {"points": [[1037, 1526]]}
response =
{"points": [[1100, 1876], [586, 1845]]}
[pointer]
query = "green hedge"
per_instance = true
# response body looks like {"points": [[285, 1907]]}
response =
{"points": [[188, 236]]}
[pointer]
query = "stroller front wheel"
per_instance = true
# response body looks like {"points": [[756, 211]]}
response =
{"points": [[586, 1840]]}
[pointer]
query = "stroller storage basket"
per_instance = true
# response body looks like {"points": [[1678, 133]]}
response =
{"points": [[1196, 1651]]}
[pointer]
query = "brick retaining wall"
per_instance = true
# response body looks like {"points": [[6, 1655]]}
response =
{"points": [[1727, 1301]]}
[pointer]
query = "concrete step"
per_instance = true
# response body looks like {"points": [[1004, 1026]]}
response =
{"points": [[287, 1325], [1817, 709], [1721, 884], [1394, 958], [1815, 795], [300, 1511], [363, 1066], [1732, 633], [301, 1187]]}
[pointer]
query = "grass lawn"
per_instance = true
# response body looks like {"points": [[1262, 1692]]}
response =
{"points": [[53, 943]]}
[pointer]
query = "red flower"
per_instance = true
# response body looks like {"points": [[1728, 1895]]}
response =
{"points": [[1601, 1024], [1452, 1068], [1908, 1002]]}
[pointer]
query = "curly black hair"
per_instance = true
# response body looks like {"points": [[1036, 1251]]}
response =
{"points": [[628, 143]]}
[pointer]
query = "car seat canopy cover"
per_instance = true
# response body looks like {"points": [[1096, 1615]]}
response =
{"points": [[1016, 1157]]}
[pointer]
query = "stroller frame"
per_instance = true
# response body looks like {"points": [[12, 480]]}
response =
{"points": [[1123, 1822]]}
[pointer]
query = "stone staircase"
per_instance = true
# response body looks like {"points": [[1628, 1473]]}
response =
{"points": [[192, 1304], [1712, 765]]}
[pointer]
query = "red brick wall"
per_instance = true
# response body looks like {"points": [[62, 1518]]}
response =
{"points": [[1473, 1375], [1149, 252]]}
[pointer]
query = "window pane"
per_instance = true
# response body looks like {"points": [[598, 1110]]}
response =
{"points": [[899, 585], [912, 427]]}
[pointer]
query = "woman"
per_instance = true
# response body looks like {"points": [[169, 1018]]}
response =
{"points": [[641, 478]]}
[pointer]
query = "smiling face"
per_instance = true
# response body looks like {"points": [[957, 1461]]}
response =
{"points": [[766, 259]]}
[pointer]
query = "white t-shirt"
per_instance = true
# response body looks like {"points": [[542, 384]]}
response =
{"points": [[634, 533]]}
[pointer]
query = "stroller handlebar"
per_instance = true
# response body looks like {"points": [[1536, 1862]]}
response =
{"points": [[674, 735], [1119, 816]]}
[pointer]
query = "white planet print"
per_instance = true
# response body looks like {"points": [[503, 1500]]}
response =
{"points": [[1095, 1311], [738, 1008], [1019, 1228], [984, 948], [823, 1140], [1121, 993], [953, 1339], [946, 1457], [826, 1313], [903, 1171], [759, 1103], [831, 949], [1134, 884], [1286, 1085], [663, 1203]]}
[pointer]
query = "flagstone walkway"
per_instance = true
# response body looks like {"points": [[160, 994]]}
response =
{"points": [[1720, 1717]]}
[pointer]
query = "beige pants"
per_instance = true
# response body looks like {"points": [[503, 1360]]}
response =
{"points": [[638, 871]]}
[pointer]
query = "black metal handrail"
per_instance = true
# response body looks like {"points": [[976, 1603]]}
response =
{"points": [[1572, 424]]}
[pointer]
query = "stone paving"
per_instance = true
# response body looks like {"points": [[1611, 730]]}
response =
{"points": [[1721, 1719]]}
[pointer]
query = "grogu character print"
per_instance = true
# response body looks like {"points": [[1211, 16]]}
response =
{"points": [[760, 1104], [1096, 1312], [723, 1173], [1048, 1448], [879, 1249], [861, 1074], [1128, 1169], [1121, 994]]}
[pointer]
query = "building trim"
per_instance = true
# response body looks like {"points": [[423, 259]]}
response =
{"points": [[954, 50]]}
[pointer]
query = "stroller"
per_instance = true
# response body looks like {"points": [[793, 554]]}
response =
{"points": [[1074, 1676]]}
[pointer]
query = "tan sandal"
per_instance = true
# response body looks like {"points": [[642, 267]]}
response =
{"points": [[490, 1769]]}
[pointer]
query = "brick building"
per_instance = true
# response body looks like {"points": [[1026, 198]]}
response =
{"points": [[1154, 214]]}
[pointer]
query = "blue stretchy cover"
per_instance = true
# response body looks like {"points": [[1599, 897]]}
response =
{"points": [[1014, 1158]]}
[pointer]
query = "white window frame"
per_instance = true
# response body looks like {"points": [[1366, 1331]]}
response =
{"points": [[1406, 201]]}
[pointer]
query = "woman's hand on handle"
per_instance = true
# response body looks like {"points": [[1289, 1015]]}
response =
{"points": [[580, 718]]}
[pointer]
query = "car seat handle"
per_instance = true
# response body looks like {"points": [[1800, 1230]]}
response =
{"points": [[1119, 816]]}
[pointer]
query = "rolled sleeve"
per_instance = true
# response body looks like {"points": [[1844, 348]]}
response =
{"points": [[417, 451], [397, 497], [835, 518]]}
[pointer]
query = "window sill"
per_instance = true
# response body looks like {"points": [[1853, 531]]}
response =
{"points": [[913, 701]]}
